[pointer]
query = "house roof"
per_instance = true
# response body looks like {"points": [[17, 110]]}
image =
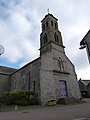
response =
{"points": [[86, 82], [6, 70], [82, 85]]}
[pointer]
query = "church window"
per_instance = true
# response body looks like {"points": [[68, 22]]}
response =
{"points": [[28, 80], [45, 38], [14, 84], [46, 24], [43, 26], [55, 24], [56, 37], [61, 65], [24, 80], [51, 23], [33, 85]]}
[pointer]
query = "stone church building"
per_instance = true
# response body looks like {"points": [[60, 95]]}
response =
{"points": [[52, 75]]}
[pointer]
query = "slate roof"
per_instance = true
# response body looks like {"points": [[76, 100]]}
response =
{"points": [[6, 70], [86, 82], [83, 84]]}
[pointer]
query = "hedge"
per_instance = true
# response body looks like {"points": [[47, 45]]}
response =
{"points": [[20, 97]]}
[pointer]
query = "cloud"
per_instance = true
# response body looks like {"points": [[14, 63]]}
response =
{"points": [[16, 36], [20, 29]]}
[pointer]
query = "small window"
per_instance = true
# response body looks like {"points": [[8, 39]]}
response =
{"points": [[51, 23], [33, 85], [55, 24], [61, 65], [45, 39], [15, 84], [46, 24], [56, 37], [43, 27], [24, 80]]}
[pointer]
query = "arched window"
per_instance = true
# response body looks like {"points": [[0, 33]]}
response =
{"points": [[34, 85], [46, 24], [43, 27], [56, 37], [24, 80], [55, 24], [45, 38], [51, 23], [61, 65], [15, 84]]}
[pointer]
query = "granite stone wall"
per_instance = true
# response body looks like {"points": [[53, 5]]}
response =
{"points": [[51, 75], [4, 84], [27, 78]]}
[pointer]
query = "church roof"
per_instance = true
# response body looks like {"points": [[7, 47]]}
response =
{"points": [[26, 65], [49, 15]]}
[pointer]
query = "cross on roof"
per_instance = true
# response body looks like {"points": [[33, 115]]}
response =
{"points": [[48, 10]]}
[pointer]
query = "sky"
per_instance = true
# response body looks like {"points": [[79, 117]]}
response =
{"points": [[20, 28]]}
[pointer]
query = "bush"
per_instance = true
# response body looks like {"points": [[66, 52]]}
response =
{"points": [[21, 103], [20, 98], [33, 101]]}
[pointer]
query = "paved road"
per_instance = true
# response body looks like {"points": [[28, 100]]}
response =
{"points": [[49, 113]]}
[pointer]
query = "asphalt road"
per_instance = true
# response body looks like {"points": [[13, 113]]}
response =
{"points": [[68, 112]]}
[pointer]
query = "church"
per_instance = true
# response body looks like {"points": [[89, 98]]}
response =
{"points": [[52, 75]]}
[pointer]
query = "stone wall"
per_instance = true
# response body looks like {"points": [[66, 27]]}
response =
{"points": [[51, 75], [4, 79], [27, 78], [47, 84], [4, 84], [68, 75]]}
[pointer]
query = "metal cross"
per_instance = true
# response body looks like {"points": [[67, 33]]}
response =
{"points": [[48, 10]]}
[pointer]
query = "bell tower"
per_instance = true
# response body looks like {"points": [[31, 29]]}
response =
{"points": [[50, 34], [57, 74]]}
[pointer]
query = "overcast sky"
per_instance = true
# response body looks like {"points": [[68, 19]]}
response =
{"points": [[20, 30]]}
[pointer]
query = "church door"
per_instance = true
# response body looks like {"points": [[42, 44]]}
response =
{"points": [[63, 89]]}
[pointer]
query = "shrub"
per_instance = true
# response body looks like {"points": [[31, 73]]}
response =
{"points": [[33, 101], [21, 102], [20, 98]]}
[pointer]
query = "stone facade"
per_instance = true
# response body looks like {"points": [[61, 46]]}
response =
{"points": [[5, 73], [27, 78], [52, 76]]}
